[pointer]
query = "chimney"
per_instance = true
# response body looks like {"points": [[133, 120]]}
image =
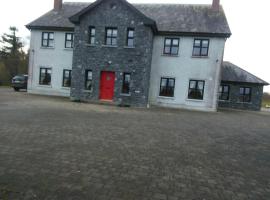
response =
{"points": [[58, 4], [215, 5]]}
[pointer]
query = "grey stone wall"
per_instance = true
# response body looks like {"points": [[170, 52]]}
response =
{"points": [[256, 97], [120, 59]]}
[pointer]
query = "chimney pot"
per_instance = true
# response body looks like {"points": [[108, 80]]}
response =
{"points": [[58, 4], [216, 5]]}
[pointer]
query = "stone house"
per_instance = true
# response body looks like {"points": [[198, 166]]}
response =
{"points": [[130, 54]]}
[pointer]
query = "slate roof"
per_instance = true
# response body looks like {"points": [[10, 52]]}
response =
{"points": [[174, 18], [233, 73]]}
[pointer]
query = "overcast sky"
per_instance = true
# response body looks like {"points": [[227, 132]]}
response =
{"points": [[248, 47]]}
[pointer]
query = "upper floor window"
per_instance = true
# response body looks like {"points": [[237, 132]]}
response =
{"points": [[171, 46], [45, 76], [47, 39], [224, 92], [245, 94], [196, 89], [111, 36], [88, 79], [66, 78], [92, 35], [126, 83], [200, 47], [130, 37], [69, 40], [167, 87]]}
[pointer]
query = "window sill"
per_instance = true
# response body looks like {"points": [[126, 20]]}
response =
{"points": [[195, 100], [127, 47], [45, 86], [68, 49], [163, 97], [224, 100], [125, 95], [90, 45], [249, 103], [46, 47], [205, 57], [65, 88], [169, 55], [109, 46]]}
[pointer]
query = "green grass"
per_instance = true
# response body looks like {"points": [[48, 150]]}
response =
{"points": [[265, 102]]}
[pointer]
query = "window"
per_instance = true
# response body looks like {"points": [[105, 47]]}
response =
{"points": [[92, 35], [111, 36], [200, 47], [245, 94], [130, 37], [126, 83], [47, 39], [69, 40], [224, 92], [45, 76], [88, 80], [167, 87], [171, 46], [196, 89], [66, 78]]}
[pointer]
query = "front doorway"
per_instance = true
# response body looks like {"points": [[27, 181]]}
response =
{"points": [[107, 86]]}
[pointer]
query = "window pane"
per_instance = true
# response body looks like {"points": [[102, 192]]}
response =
{"points": [[114, 33], [92, 40], [51, 42], [242, 90], [176, 42], [108, 41], [114, 41], [171, 82], [167, 50], [196, 51], [68, 44], [69, 37], [44, 42], [247, 91], [197, 43], [204, 52], [51, 36], [109, 32], [130, 42], [226, 89], [200, 85], [45, 35], [163, 82], [205, 43], [92, 31], [168, 42], [192, 84], [174, 50], [89, 75], [130, 33]]}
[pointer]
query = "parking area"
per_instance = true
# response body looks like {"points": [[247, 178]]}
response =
{"points": [[54, 149]]}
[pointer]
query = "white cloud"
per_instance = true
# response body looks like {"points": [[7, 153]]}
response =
{"points": [[249, 21]]}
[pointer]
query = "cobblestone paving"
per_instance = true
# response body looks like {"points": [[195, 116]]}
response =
{"points": [[52, 149]]}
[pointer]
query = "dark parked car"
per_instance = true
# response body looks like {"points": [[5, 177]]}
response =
{"points": [[19, 82]]}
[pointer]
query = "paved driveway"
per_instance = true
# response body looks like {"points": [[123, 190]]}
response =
{"points": [[53, 149]]}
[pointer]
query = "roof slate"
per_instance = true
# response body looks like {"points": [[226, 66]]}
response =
{"points": [[233, 73], [175, 18]]}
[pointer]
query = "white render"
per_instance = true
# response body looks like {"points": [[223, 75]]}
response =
{"points": [[58, 58], [183, 68]]}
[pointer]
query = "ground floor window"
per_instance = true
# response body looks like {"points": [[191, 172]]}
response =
{"points": [[245, 94], [126, 83], [196, 89], [88, 80], [45, 76], [167, 87], [224, 92], [66, 78]]}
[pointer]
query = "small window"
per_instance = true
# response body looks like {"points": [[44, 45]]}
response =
{"points": [[69, 40], [171, 46], [92, 35], [126, 83], [111, 36], [66, 78], [88, 79], [45, 76], [245, 94], [130, 37], [196, 89], [167, 87], [224, 92], [47, 39], [200, 47]]}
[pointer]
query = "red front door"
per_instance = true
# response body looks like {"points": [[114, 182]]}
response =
{"points": [[107, 85]]}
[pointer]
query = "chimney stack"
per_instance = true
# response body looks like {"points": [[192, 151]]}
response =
{"points": [[58, 4], [215, 5]]}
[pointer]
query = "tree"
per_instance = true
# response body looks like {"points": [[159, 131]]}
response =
{"points": [[13, 57]]}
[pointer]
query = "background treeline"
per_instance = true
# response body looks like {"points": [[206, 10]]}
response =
{"points": [[13, 60]]}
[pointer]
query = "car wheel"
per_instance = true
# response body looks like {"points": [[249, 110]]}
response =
{"points": [[16, 89]]}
